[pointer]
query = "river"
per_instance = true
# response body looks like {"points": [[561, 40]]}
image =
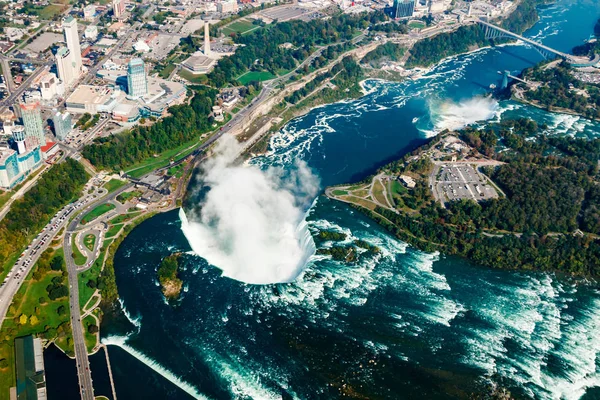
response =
{"points": [[400, 324]]}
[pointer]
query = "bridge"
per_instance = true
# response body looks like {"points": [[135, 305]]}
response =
{"points": [[506, 75], [493, 31]]}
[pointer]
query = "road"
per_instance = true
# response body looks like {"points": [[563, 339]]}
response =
{"points": [[19, 193], [24, 264], [14, 96], [84, 373]]}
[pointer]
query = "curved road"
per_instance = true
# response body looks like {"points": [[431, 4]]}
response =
{"points": [[83, 365]]}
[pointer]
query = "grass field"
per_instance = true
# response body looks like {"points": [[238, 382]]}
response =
{"points": [[90, 338], [416, 24], [96, 212], [78, 257], [113, 185], [255, 76], [166, 71], [185, 74], [339, 192], [31, 300], [90, 241], [163, 159], [86, 292], [113, 230], [241, 26], [176, 171], [50, 11], [378, 192], [126, 196], [119, 219]]}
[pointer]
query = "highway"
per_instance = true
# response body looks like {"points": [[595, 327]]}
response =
{"points": [[24, 264]]}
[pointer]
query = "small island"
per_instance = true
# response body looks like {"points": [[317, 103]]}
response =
{"points": [[168, 277], [349, 252]]}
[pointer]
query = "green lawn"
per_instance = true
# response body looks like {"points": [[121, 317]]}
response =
{"points": [[163, 159], [85, 291], [113, 185], [31, 300], [126, 196], [199, 79], [78, 257], [166, 71], [240, 26], [113, 230], [90, 241], [397, 188], [339, 192], [255, 76], [416, 24], [119, 219], [98, 211], [90, 339], [176, 171]]}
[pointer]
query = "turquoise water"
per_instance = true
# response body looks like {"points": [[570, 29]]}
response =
{"points": [[402, 324]]}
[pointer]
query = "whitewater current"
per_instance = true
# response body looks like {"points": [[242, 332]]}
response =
{"points": [[397, 324]]}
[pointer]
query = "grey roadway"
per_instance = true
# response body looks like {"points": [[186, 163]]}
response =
{"points": [[30, 256], [84, 373]]}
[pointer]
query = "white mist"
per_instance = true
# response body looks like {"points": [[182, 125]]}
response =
{"points": [[251, 224]]}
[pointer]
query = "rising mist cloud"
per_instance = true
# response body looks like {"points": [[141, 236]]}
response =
{"points": [[251, 221]]}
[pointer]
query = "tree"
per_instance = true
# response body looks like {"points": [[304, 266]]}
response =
{"points": [[3, 363], [93, 329], [33, 320], [61, 310], [57, 263], [23, 319]]}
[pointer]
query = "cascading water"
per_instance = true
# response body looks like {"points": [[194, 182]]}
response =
{"points": [[251, 221]]}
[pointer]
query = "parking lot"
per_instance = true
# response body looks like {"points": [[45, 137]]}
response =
{"points": [[461, 181], [286, 13]]}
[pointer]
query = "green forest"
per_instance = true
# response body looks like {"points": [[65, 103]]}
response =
{"points": [[304, 36], [549, 218], [185, 122], [28, 215], [558, 90], [385, 52], [432, 50]]}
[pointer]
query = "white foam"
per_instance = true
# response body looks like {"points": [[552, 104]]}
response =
{"points": [[121, 341]]}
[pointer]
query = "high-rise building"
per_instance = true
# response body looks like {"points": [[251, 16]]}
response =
{"points": [[118, 8], [137, 83], [31, 114], [66, 66], [206, 39], [403, 8], [72, 39], [63, 124]]}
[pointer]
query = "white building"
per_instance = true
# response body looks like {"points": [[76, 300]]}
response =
{"points": [[93, 99], [91, 32], [118, 8], [66, 66], [50, 86], [72, 39], [229, 6]]}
